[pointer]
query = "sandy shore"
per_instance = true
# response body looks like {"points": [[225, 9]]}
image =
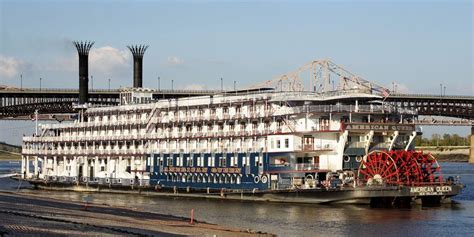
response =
{"points": [[28, 214]]}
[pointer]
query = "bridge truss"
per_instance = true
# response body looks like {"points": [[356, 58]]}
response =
{"points": [[322, 76]]}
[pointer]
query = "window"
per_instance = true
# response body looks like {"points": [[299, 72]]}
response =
{"points": [[222, 161], [287, 143], [257, 160], [233, 161], [279, 161], [169, 161], [190, 161], [278, 143], [152, 164], [210, 161]]}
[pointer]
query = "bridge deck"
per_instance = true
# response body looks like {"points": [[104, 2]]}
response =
{"points": [[16, 102]]}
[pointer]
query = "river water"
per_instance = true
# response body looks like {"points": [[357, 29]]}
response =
{"points": [[302, 220]]}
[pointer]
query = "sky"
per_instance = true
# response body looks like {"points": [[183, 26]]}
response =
{"points": [[416, 44]]}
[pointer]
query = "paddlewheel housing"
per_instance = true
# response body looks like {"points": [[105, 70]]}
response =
{"points": [[407, 168]]}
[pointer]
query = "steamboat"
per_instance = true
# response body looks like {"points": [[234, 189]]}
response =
{"points": [[276, 144]]}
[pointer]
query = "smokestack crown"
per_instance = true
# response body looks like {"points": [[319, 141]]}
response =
{"points": [[137, 50], [83, 48]]}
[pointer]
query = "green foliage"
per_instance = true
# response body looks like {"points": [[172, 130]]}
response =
{"points": [[8, 147], [445, 140]]}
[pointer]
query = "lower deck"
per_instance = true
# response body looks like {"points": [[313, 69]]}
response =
{"points": [[373, 195]]}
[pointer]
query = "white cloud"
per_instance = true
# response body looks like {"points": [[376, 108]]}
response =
{"points": [[194, 87], [105, 59], [10, 67], [173, 60], [108, 59]]}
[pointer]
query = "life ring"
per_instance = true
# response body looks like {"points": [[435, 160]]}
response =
{"points": [[358, 158], [347, 159], [256, 179], [264, 179]]}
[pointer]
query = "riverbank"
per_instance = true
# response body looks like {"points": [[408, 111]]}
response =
{"points": [[26, 214], [5, 155], [448, 153]]}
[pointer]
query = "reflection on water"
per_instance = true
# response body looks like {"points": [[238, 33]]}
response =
{"points": [[307, 220]]}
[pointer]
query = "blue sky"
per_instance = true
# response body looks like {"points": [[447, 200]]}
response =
{"points": [[417, 44]]}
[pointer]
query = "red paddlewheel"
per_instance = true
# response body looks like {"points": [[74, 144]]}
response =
{"points": [[379, 168], [408, 168], [430, 168]]}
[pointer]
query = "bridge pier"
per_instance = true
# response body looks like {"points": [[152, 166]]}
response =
{"points": [[471, 151]]}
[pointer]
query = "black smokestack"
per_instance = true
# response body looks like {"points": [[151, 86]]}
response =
{"points": [[83, 49], [138, 51]]}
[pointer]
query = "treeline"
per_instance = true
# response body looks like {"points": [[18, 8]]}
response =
{"points": [[444, 140], [8, 147]]}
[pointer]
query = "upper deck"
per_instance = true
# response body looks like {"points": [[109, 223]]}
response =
{"points": [[277, 104]]}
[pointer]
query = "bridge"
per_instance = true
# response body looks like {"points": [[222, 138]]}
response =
{"points": [[22, 103], [447, 106]]}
